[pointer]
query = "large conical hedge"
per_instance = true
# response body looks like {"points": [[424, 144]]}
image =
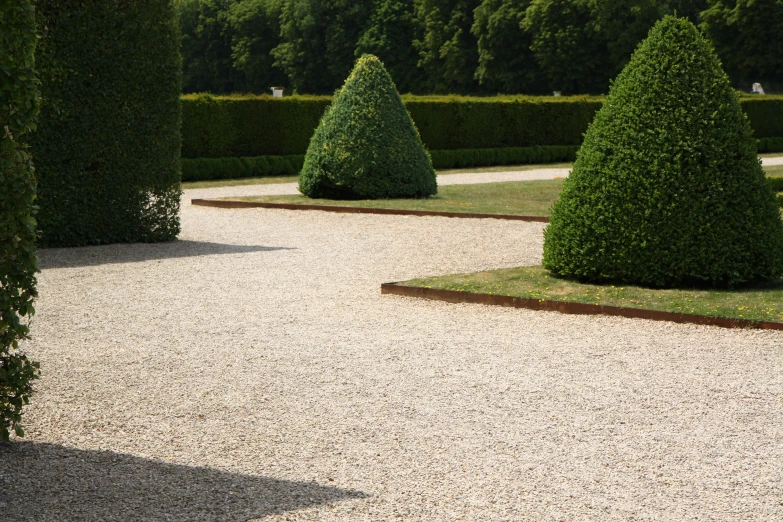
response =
{"points": [[366, 145], [667, 189]]}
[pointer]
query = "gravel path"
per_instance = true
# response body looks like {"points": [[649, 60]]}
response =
{"points": [[252, 370]]}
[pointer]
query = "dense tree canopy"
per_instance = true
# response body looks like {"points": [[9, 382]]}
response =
{"points": [[747, 37], [459, 46]]}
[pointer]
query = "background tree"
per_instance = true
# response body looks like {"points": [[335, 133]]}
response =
{"points": [[317, 41], [390, 37], [255, 31], [747, 36], [568, 47], [206, 47], [505, 62], [448, 51]]}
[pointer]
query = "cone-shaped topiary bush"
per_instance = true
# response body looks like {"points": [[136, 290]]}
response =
{"points": [[667, 189], [366, 145]]}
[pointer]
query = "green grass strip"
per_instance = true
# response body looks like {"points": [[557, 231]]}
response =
{"points": [[757, 303]]}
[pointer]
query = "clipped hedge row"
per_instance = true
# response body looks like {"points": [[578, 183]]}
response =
{"points": [[776, 184], [465, 158], [205, 169], [108, 141], [240, 126]]}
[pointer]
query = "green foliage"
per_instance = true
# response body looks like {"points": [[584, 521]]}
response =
{"points": [[255, 30], [366, 145], [452, 122], [464, 158], [765, 114], [390, 37], [19, 103], [108, 141], [318, 39], [505, 62], [667, 189], [206, 47], [447, 48], [771, 145], [746, 35], [204, 169], [776, 184], [582, 44], [214, 127]]}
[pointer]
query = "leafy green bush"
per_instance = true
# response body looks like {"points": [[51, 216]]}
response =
{"points": [[108, 141], [19, 101], [667, 188], [366, 145]]}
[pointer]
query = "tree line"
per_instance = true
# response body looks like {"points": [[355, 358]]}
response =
{"points": [[479, 47]]}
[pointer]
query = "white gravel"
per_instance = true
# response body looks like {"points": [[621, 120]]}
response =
{"points": [[253, 370]]}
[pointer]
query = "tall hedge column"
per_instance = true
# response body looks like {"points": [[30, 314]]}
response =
{"points": [[107, 149], [18, 109]]}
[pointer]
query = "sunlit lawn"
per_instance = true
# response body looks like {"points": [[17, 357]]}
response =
{"points": [[758, 303]]}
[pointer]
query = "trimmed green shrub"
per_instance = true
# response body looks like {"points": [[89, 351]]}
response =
{"points": [[366, 145], [108, 141], [237, 126], [667, 189], [19, 103]]}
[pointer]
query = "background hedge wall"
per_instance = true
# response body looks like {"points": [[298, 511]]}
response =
{"points": [[239, 126], [107, 147]]}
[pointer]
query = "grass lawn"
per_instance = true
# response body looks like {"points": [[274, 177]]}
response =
{"points": [[775, 171], [759, 303], [524, 198]]}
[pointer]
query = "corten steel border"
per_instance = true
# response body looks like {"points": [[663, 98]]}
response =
{"points": [[222, 203], [455, 296]]}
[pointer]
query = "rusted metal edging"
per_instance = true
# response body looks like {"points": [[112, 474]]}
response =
{"points": [[222, 203], [455, 296]]}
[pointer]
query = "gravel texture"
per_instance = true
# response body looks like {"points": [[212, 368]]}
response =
{"points": [[253, 370]]}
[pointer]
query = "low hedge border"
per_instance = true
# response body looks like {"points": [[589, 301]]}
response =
{"points": [[206, 169]]}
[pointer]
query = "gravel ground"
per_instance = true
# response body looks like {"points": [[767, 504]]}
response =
{"points": [[253, 370]]}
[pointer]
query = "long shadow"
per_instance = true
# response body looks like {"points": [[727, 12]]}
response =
{"points": [[136, 252], [50, 482]]}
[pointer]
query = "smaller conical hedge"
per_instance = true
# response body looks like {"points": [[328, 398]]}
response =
{"points": [[667, 189], [366, 146]]}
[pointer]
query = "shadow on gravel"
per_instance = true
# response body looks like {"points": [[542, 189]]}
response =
{"points": [[136, 252], [51, 482]]}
